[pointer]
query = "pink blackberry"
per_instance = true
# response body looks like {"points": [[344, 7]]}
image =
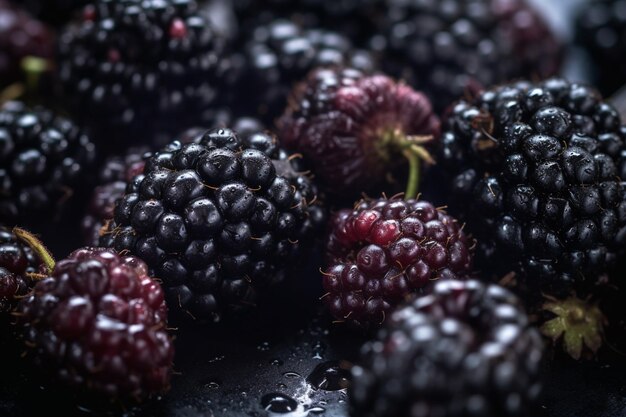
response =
{"points": [[384, 251], [357, 131], [98, 323]]}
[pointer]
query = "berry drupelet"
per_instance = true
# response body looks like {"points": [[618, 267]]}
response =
{"points": [[218, 220], [21, 36], [384, 251], [452, 48], [43, 163], [280, 54], [601, 30], [98, 323], [354, 129], [141, 71], [17, 262], [467, 349], [536, 173]]}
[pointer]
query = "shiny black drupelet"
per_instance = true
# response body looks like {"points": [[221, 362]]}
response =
{"points": [[218, 220], [465, 350], [536, 172]]}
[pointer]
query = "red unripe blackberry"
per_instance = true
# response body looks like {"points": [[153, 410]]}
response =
{"points": [[98, 323], [21, 36], [384, 251], [355, 130]]}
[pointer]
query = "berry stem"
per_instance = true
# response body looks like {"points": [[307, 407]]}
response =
{"points": [[33, 68], [412, 185], [37, 246]]}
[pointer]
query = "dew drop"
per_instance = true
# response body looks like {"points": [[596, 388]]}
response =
{"points": [[292, 375], [330, 376]]}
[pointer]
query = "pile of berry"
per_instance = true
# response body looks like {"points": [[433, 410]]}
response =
{"points": [[194, 156]]}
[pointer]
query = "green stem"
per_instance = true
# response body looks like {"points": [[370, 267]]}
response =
{"points": [[36, 245], [414, 173]]}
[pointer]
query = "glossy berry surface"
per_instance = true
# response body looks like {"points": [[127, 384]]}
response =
{"points": [[384, 251], [16, 261], [452, 48], [467, 349], [21, 36], [345, 123], [219, 220], [98, 324], [135, 70], [601, 30], [44, 162], [536, 174], [280, 54]]}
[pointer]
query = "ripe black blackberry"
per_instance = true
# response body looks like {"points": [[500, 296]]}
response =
{"points": [[280, 54], [44, 162], [385, 251], [601, 30], [134, 70], [536, 174], [454, 47], [17, 262], [467, 349], [218, 220], [21, 36], [359, 132], [98, 324]]}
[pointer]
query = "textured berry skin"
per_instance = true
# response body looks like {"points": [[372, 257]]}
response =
{"points": [[21, 35], [280, 54], [16, 260], [536, 174], [467, 349], [384, 251], [218, 220], [135, 68], [601, 30], [113, 176], [343, 122], [99, 323], [44, 161], [451, 48]]}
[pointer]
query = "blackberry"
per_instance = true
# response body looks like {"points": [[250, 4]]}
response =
{"points": [[141, 71], [21, 36], [98, 323], [17, 263], [43, 163], [118, 171], [454, 47], [219, 220], [354, 128], [601, 30], [535, 171], [113, 176], [280, 54], [467, 349], [385, 251]]}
